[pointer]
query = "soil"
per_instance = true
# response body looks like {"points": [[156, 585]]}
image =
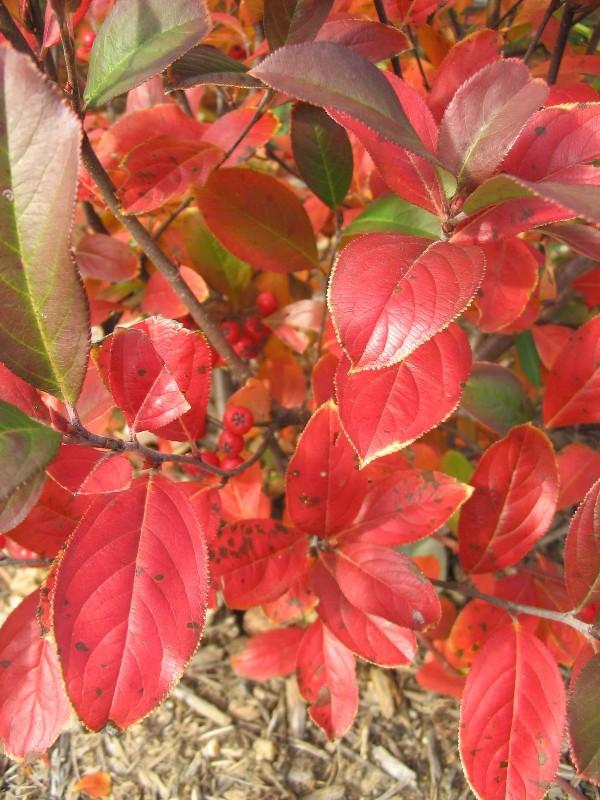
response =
{"points": [[220, 737]]}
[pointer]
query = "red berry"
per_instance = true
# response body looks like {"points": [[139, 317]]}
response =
{"points": [[231, 462], [237, 51], [266, 302], [231, 443], [256, 329], [238, 419], [2, 540], [87, 39], [245, 347], [230, 330], [210, 458]]}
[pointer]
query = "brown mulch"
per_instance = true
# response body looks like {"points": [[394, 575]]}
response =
{"points": [[220, 737]]}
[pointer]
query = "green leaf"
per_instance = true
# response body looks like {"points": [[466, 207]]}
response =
{"points": [[15, 508], [584, 720], [138, 39], [26, 448], [322, 152], [528, 356], [44, 330], [332, 76], [494, 396], [392, 214], [205, 64], [219, 268], [293, 21], [457, 465]]}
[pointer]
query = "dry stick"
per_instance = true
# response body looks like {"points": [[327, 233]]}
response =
{"points": [[559, 49], [538, 34], [383, 18], [493, 13], [507, 14], [565, 617], [9, 28], [25, 562], [568, 788]]}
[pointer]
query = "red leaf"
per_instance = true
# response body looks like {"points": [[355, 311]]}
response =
{"points": [[162, 168], [474, 625], [572, 394], [461, 62], [550, 341], [129, 602], [324, 489], [327, 680], [385, 410], [372, 638], [512, 718], [584, 239], [370, 39], [105, 258], [159, 374], [226, 130], [95, 784], [505, 291], [516, 489], [415, 290], [582, 551], [259, 219], [589, 284], [485, 117], [160, 297], [406, 506], [293, 605], [271, 654], [334, 77], [579, 468], [436, 675], [243, 498], [256, 560], [323, 377], [84, 470], [553, 139], [139, 381], [33, 706], [408, 175], [385, 583], [21, 394], [51, 521], [583, 720]]}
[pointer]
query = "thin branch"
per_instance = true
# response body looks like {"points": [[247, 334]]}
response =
{"points": [[559, 48], [568, 788], [565, 617], [455, 22], [94, 222], [171, 218], [78, 434], [10, 29], [542, 26], [415, 45], [383, 18], [492, 13], [65, 28]]}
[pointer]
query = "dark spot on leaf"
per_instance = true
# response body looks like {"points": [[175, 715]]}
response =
{"points": [[540, 130], [141, 372], [5, 663], [194, 625], [99, 692], [159, 577], [81, 646]]}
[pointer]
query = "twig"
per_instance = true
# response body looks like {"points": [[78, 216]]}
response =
{"points": [[93, 218], [559, 48], [25, 562], [565, 617], [566, 787], [260, 110], [9, 28], [457, 27], [594, 40], [542, 26], [278, 160], [492, 13], [383, 18], [78, 434], [180, 98], [507, 14], [66, 37], [415, 45]]}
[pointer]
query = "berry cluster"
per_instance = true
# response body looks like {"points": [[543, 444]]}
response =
{"points": [[247, 339]]}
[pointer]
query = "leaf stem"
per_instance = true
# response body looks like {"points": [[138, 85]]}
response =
{"points": [[565, 617], [415, 45]]}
